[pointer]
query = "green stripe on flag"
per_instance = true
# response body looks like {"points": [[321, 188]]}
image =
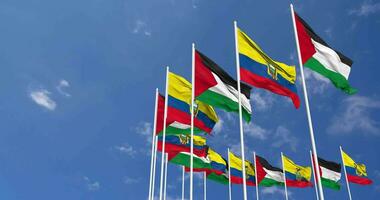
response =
{"points": [[330, 184], [223, 102], [337, 79]]}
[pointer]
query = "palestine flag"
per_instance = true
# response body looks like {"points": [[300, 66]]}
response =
{"points": [[267, 175], [217, 88], [330, 173], [317, 55], [183, 158]]}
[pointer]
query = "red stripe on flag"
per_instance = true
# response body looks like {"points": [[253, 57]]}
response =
{"points": [[359, 180], [177, 149], [300, 184], [262, 82], [306, 46], [203, 76]]}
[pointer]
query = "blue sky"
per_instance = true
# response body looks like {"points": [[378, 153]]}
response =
{"points": [[77, 88]]}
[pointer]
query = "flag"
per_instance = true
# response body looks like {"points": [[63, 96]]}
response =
{"points": [[320, 57], [218, 164], [267, 175], [216, 87], [179, 101], [296, 175], [173, 121], [330, 173], [183, 158], [237, 171], [222, 178], [356, 172], [181, 143], [259, 70]]}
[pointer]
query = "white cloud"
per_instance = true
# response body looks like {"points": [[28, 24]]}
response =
{"points": [[262, 100], [316, 83], [126, 149], [328, 32], [283, 137], [60, 87], [218, 126], [255, 131], [275, 190], [356, 115], [145, 129], [41, 97], [141, 27], [91, 185], [366, 8], [130, 180]]}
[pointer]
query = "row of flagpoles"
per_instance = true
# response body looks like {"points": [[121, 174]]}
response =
{"points": [[164, 157]]}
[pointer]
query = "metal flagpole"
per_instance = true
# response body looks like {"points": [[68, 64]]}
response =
{"points": [[229, 176], [314, 148], [314, 175], [164, 132], [183, 182], [256, 182], [345, 173], [283, 172], [204, 186], [153, 147], [154, 166], [192, 119], [166, 174], [240, 113]]}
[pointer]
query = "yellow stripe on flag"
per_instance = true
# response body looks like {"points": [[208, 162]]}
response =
{"points": [[215, 157], [250, 49], [236, 162], [349, 162], [180, 89], [295, 169]]}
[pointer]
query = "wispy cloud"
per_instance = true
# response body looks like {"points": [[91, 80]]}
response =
{"points": [[316, 83], [275, 190], [126, 149], [130, 180], [91, 185], [356, 115], [41, 97], [218, 126], [255, 131], [140, 27], [262, 100], [365, 9], [283, 136], [61, 86], [145, 129]]}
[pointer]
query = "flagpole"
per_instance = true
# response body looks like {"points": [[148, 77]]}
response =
{"points": [[166, 174], [256, 182], [153, 147], [154, 166], [229, 175], [283, 172], [204, 186], [345, 173], [192, 119], [240, 113], [164, 132], [314, 148], [315, 178], [183, 182]]}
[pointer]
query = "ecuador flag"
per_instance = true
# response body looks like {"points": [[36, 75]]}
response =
{"points": [[181, 143], [356, 172], [296, 175], [237, 172], [259, 70], [179, 101]]}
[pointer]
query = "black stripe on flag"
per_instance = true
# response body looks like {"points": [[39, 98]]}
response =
{"points": [[336, 167], [315, 37], [223, 75], [266, 164]]}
